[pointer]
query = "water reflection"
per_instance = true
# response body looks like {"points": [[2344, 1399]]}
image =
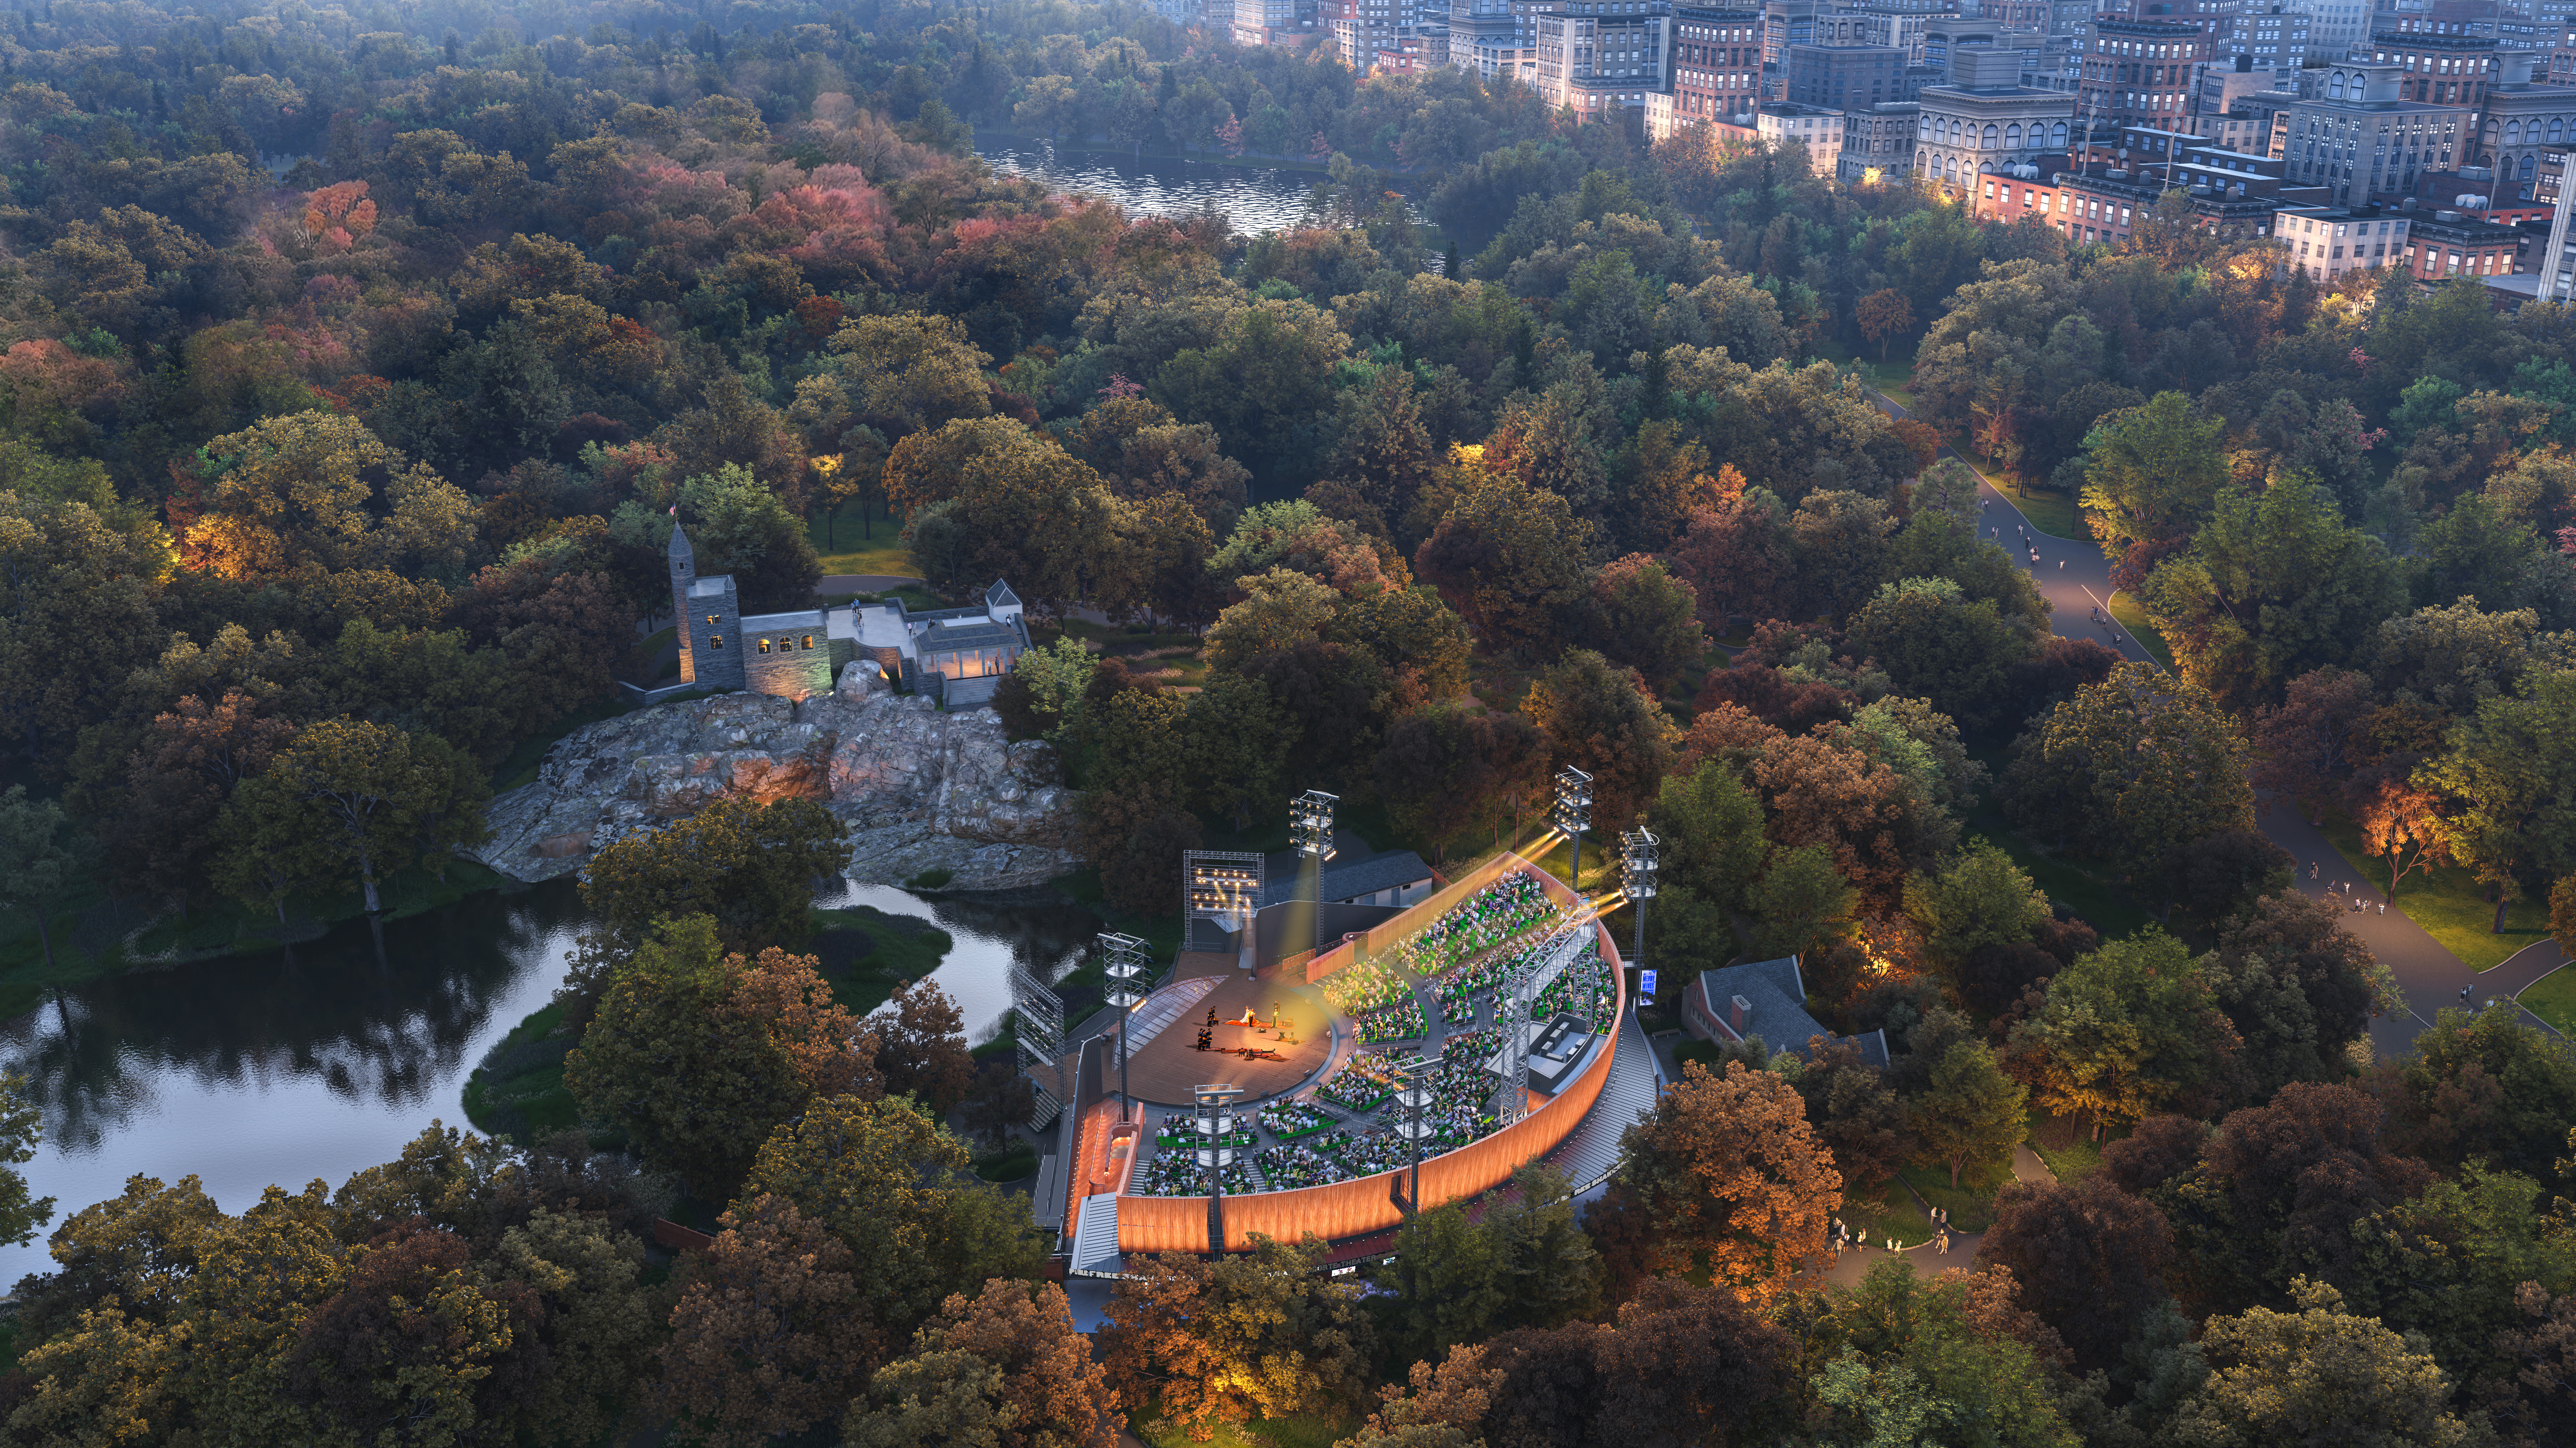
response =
{"points": [[1043, 931], [260, 1070], [1258, 198]]}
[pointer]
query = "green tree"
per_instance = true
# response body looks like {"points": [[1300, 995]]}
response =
{"points": [[2274, 584], [768, 1335], [40, 861], [351, 801], [2152, 472], [1801, 901], [908, 372], [2508, 776], [2127, 1029], [2482, 1085], [1909, 1358], [1971, 1113], [1938, 645], [301, 491], [1281, 608], [748, 866], [1710, 828], [1421, 641], [2133, 768], [1978, 898], [21, 1128], [95, 605], [890, 1182], [696, 1053], [1239, 740], [2317, 1376]]}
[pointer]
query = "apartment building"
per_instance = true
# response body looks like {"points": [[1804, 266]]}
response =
{"points": [[2352, 134], [2138, 72], [1717, 63], [1878, 144], [1985, 121], [1600, 58], [1844, 77]]}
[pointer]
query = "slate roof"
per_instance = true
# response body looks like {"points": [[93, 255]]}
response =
{"points": [[1344, 879], [1777, 994]]}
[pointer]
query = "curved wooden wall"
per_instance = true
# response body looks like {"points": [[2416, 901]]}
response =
{"points": [[1360, 1206]]}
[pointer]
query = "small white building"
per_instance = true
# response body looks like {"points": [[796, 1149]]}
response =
{"points": [[956, 655]]}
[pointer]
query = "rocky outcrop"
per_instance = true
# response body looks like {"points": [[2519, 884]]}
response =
{"points": [[919, 789]]}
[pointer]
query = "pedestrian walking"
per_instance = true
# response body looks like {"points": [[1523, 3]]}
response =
{"points": [[2383, 907], [2464, 995], [2312, 869], [2061, 565], [1941, 1242]]}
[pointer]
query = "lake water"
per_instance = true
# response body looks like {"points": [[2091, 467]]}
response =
{"points": [[258, 1070], [1258, 198]]}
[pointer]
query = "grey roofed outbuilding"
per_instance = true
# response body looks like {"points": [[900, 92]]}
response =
{"points": [[1385, 870], [1776, 993]]}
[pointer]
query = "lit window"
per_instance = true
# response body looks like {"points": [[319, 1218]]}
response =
{"points": [[715, 641]]}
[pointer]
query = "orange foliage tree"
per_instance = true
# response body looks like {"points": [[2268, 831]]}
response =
{"points": [[1728, 1173]]}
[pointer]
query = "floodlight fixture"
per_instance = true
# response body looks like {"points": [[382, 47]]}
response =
{"points": [[1310, 823]]}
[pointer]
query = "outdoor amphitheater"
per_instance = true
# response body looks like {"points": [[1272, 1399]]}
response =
{"points": [[1271, 1088]]}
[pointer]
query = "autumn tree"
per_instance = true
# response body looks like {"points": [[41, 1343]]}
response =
{"points": [[748, 866], [1882, 315], [1254, 1334], [1509, 558], [1006, 1367], [351, 802], [768, 1336], [921, 1045], [1603, 719], [2090, 1259], [1729, 1172], [696, 1053], [890, 1182]]}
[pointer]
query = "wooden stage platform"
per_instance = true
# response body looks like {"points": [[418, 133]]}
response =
{"points": [[1167, 1067]]}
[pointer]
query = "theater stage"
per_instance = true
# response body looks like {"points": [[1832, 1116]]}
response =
{"points": [[1165, 1068]]}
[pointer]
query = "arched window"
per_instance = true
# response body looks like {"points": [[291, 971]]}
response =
{"points": [[2012, 136], [2555, 125], [2057, 136], [1922, 160], [1954, 133], [2526, 167], [2334, 87], [2513, 133], [1991, 135]]}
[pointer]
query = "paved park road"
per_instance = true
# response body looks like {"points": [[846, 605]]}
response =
{"points": [[2075, 578]]}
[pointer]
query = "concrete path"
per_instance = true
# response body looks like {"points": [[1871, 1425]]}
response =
{"points": [[2075, 577]]}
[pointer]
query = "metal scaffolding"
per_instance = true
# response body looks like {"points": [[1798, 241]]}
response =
{"points": [[1037, 1023]]}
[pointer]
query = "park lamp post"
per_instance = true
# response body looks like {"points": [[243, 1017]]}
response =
{"points": [[1215, 1123], [1573, 814], [1126, 967], [1637, 866], [1310, 829]]}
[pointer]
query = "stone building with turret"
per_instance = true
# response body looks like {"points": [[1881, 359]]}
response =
{"points": [[785, 654]]}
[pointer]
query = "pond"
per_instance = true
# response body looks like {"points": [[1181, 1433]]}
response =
{"points": [[269, 1069], [1257, 198]]}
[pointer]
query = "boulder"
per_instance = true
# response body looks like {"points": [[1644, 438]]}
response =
{"points": [[920, 789]]}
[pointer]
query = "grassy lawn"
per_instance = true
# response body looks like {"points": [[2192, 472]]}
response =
{"points": [[2055, 514], [866, 953], [851, 548], [518, 1090], [2104, 902], [1893, 1212], [1299, 1430], [2450, 905], [2553, 999], [1971, 1204], [2133, 618], [2066, 1147]]}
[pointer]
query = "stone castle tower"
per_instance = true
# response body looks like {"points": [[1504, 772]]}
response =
{"points": [[709, 620]]}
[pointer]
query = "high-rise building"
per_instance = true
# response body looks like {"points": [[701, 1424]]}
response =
{"points": [[2352, 133], [1600, 57], [1844, 77], [2523, 125], [1482, 38], [1268, 22], [1986, 122], [1717, 63], [2138, 72]]}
